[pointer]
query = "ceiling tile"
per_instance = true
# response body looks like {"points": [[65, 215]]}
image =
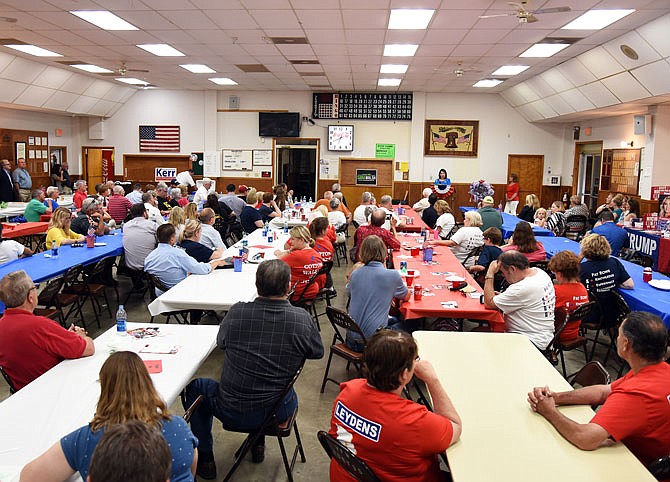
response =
{"points": [[22, 70], [576, 72], [656, 34], [189, 19], [52, 77], [556, 80], [526, 92], [644, 51], [232, 19], [276, 19], [34, 96], [443, 36], [60, 100], [98, 89], [540, 86], [147, 20], [577, 100], [654, 77], [600, 62], [82, 105], [459, 19], [365, 19], [76, 84], [484, 36], [10, 90], [597, 93], [170, 4], [626, 87], [327, 37], [358, 37], [311, 4], [559, 105], [543, 108], [321, 19]]}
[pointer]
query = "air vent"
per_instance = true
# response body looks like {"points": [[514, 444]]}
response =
{"points": [[71, 62], [312, 74], [252, 68], [559, 40], [11, 41], [305, 62], [629, 52], [288, 40]]}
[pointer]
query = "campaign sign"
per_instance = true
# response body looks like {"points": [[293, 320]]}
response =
{"points": [[165, 173]]}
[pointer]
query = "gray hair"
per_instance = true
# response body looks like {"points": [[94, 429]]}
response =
{"points": [[175, 193], [427, 192], [513, 258], [336, 187], [14, 288], [162, 186], [88, 204], [147, 196], [475, 218], [35, 193], [386, 199], [51, 190], [368, 211], [334, 203], [79, 183], [273, 278], [338, 195], [366, 197], [118, 190]]}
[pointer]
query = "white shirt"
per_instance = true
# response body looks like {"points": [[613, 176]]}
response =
{"points": [[467, 238], [389, 215], [10, 250], [200, 196], [359, 215], [211, 237], [337, 219], [528, 306], [445, 224], [185, 178], [421, 204], [154, 214]]}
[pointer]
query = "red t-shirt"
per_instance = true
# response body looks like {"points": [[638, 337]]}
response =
{"points": [[576, 295], [118, 207], [399, 439], [324, 247], [304, 264], [637, 412], [513, 191], [31, 345], [78, 198]]}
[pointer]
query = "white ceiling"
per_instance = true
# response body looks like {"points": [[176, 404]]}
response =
{"points": [[345, 36]]}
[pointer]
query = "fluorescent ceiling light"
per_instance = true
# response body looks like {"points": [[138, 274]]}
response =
{"points": [[597, 19], [131, 81], [393, 69], [400, 50], [389, 82], [543, 50], [198, 68], [103, 19], [223, 81], [488, 83], [94, 69], [34, 50], [161, 50], [409, 18], [510, 69]]}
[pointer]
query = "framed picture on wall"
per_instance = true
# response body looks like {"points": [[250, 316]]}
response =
{"points": [[20, 150], [451, 138]]}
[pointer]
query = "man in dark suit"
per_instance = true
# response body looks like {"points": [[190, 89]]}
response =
{"points": [[6, 183]]}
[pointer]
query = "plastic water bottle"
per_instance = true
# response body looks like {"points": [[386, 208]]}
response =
{"points": [[54, 249], [285, 226], [121, 321]]}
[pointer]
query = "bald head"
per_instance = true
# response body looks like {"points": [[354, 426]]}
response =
{"points": [[378, 217]]}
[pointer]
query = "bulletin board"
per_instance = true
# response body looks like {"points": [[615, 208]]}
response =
{"points": [[237, 159], [262, 157]]}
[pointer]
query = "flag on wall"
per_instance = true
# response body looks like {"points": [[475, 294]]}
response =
{"points": [[159, 138]]}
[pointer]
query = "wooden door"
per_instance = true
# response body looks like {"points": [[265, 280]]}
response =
{"points": [[92, 166], [530, 169]]}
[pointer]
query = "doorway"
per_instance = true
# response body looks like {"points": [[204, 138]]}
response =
{"points": [[529, 168], [586, 172], [296, 165], [97, 165]]}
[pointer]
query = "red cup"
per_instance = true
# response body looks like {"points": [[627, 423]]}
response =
{"points": [[414, 251], [409, 279], [418, 292], [647, 274], [90, 241]]}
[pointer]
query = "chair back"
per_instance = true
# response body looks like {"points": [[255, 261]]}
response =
{"points": [[581, 312], [475, 252], [47, 296], [71, 276], [544, 266], [621, 307], [660, 468], [354, 466], [575, 225], [12, 388], [341, 319], [593, 373], [189, 411], [302, 299], [157, 283]]}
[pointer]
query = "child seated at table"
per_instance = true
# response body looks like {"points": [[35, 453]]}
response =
{"points": [[490, 252], [541, 217]]}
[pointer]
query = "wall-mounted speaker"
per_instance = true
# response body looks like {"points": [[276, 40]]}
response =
{"points": [[642, 124], [233, 102]]}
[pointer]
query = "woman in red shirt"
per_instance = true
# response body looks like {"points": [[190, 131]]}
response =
{"points": [[323, 246], [512, 195], [570, 292], [304, 261]]}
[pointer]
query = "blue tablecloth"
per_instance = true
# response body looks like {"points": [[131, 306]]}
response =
{"points": [[641, 298], [40, 268], [510, 222]]}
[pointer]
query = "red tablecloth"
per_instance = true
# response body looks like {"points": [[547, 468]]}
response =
{"points": [[416, 223], [12, 230], [430, 306], [664, 256]]}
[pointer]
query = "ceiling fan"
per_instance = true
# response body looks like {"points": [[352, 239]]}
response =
{"points": [[123, 69], [527, 16], [459, 71]]}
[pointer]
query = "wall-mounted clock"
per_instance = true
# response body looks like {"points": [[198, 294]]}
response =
{"points": [[340, 138]]}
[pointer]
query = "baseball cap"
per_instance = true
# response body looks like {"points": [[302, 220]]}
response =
{"points": [[242, 188], [488, 200]]}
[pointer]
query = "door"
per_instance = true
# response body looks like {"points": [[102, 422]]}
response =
{"points": [[530, 171], [588, 183], [296, 166], [97, 162]]}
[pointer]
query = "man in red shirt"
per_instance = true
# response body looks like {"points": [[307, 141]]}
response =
{"points": [[636, 407], [31, 345], [377, 220], [81, 193], [371, 417], [118, 205]]}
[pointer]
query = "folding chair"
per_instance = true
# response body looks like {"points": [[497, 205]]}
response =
{"points": [[579, 313], [575, 227], [660, 468], [593, 373], [194, 406], [339, 319], [309, 304], [87, 289], [12, 388], [181, 315], [472, 254], [341, 248], [272, 427], [354, 466]]}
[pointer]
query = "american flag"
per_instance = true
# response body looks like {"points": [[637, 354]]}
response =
{"points": [[159, 138]]}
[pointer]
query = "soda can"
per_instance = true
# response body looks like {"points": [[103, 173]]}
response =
{"points": [[418, 292], [403, 266]]}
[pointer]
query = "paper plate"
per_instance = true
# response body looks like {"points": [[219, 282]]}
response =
{"points": [[660, 284], [455, 279]]}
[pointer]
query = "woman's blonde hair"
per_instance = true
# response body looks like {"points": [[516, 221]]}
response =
{"points": [[177, 216], [191, 229], [474, 217], [191, 211], [540, 211], [59, 219], [595, 247], [127, 393], [252, 197], [442, 207], [532, 201], [301, 232]]}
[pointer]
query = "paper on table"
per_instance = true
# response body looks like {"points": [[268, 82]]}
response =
{"points": [[160, 348], [154, 366]]}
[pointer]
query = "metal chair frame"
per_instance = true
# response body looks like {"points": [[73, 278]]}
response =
{"points": [[354, 466], [340, 319]]}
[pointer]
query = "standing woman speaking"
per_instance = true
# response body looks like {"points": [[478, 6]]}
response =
{"points": [[512, 195]]}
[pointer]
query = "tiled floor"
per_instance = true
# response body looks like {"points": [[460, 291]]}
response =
{"points": [[314, 412]]}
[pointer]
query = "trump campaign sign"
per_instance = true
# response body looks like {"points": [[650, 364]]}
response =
{"points": [[165, 173]]}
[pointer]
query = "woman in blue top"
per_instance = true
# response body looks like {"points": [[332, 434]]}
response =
{"points": [[442, 186], [126, 393]]}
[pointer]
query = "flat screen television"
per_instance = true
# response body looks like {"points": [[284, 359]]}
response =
{"points": [[279, 124]]}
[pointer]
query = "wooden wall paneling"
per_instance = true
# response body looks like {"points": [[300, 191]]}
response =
{"points": [[260, 183], [35, 166], [348, 166], [141, 167]]}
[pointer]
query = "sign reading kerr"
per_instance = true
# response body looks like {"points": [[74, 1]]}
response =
{"points": [[165, 173]]}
